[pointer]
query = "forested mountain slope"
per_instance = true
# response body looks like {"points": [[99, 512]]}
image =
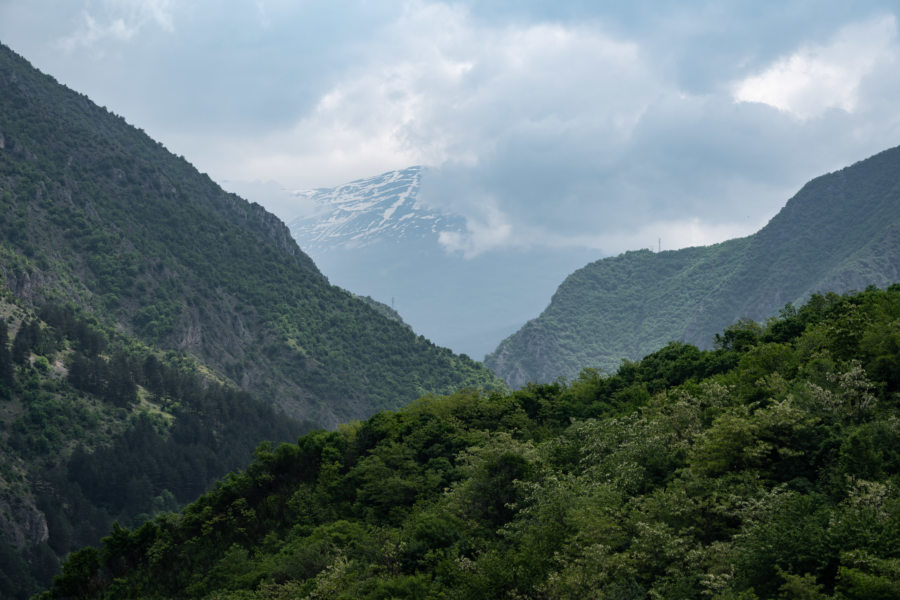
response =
{"points": [[767, 468], [96, 212], [840, 232], [96, 427]]}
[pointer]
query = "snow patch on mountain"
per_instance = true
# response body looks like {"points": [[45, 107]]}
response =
{"points": [[368, 211]]}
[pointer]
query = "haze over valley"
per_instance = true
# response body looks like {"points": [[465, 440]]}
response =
{"points": [[554, 135], [536, 300]]}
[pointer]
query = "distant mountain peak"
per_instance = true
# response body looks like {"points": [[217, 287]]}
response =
{"points": [[368, 211], [378, 238]]}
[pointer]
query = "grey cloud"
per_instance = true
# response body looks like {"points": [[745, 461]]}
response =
{"points": [[547, 121], [221, 67], [709, 159]]}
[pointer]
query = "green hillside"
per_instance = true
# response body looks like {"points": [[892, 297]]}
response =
{"points": [[382, 308], [840, 232], [97, 213], [154, 329], [767, 468], [96, 427]]}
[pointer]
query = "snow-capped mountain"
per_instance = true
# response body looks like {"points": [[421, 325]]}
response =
{"points": [[369, 211], [375, 238]]}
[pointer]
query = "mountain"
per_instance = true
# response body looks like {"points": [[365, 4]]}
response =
{"points": [[154, 329], [840, 232], [763, 469], [97, 428], [98, 214], [383, 309], [365, 212], [376, 237]]}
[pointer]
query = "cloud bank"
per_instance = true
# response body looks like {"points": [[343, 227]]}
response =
{"points": [[544, 124]]}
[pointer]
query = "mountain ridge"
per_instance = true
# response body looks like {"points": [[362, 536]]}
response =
{"points": [[839, 232], [155, 329], [762, 469], [364, 211], [102, 214]]}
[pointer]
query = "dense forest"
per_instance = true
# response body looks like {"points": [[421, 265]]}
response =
{"points": [[97, 428], [97, 213], [154, 329], [767, 467], [840, 232]]}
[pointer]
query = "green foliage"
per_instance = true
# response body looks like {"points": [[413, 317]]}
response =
{"points": [[89, 438], [104, 217], [6, 362], [142, 297], [764, 469], [839, 233]]}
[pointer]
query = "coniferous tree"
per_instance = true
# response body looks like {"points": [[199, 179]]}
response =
{"points": [[26, 338], [120, 388], [6, 363]]}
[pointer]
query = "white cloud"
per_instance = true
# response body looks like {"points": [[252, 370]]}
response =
{"points": [[816, 78], [439, 87], [669, 235], [553, 124], [566, 135], [118, 21], [493, 231], [485, 231]]}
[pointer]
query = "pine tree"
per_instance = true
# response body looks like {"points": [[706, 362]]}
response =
{"points": [[6, 363], [25, 341]]}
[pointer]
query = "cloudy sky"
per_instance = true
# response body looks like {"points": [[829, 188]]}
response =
{"points": [[590, 124]]}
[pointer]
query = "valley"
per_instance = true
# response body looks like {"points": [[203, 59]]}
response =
{"points": [[198, 400]]}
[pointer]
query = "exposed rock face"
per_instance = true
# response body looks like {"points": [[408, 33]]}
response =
{"points": [[21, 523]]}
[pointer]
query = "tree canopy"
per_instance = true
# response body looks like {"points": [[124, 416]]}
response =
{"points": [[765, 468]]}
